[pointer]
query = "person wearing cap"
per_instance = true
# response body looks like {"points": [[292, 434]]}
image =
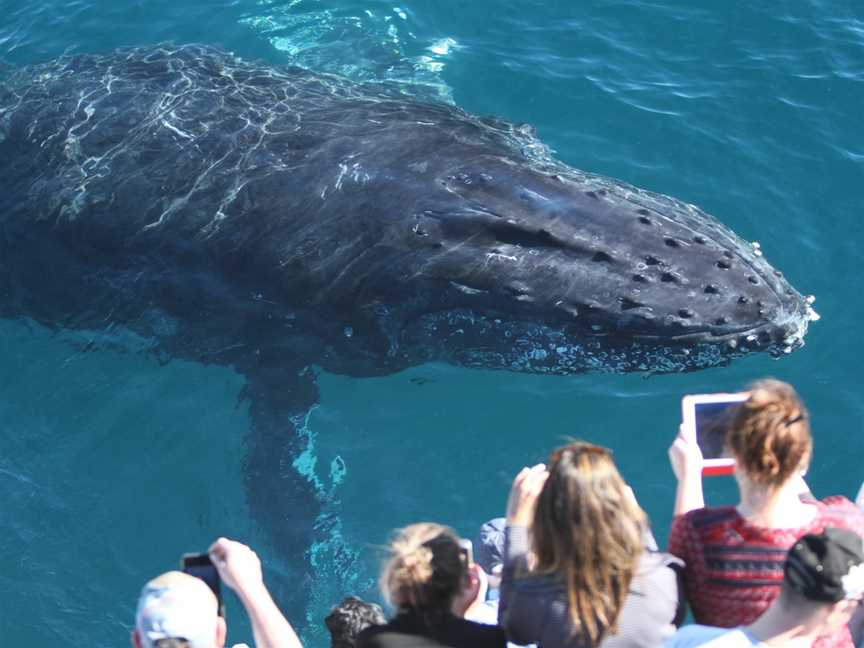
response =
{"points": [[823, 584], [176, 610], [489, 549]]}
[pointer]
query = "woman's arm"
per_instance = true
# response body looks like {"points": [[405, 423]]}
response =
{"points": [[515, 561], [686, 459], [520, 513]]}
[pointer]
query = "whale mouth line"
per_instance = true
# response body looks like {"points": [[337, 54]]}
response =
{"points": [[762, 336]]}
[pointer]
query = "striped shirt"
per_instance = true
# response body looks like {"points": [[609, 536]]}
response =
{"points": [[734, 569]]}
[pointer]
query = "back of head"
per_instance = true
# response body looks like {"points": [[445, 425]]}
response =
{"points": [[425, 569], [349, 618], [588, 528], [769, 433], [175, 610], [824, 571], [826, 567]]}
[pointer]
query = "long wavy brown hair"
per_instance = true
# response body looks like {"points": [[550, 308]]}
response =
{"points": [[588, 529]]}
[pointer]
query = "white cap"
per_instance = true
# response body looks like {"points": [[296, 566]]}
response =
{"points": [[178, 606]]}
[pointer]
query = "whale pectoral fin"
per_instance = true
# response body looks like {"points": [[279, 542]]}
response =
{"points": [[282, 499]]}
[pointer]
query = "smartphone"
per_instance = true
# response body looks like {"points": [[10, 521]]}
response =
{"points": [[467, 549], [200, 566], [708, 415]]}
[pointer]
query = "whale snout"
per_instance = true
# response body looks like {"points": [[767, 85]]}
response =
{"points": [[616, 263]]}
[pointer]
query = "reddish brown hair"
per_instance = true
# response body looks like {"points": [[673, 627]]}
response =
{"points": [[769, 433]]}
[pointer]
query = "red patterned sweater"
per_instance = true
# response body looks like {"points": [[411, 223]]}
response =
{"points": [[734, 569]]}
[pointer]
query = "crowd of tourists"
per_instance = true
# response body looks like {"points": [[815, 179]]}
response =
{"points": [[574, 563]]}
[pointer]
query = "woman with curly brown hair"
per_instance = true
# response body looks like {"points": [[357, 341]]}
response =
{"points": [[734, 554], [577, 572]]}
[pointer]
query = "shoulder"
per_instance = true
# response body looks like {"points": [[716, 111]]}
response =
{"points": [[702, 523], [368, 637], [706, 518], [838, 504], [699, 635], [656, 569], [837, 501], [480, 630], [840, 511], [398, 631], [474, 634], [539, 583]]}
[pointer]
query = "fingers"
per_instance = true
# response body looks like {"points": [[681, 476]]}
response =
{"points": [[223, 549], [238, 565], [526, 489], [534, 484], [685, 456], [219, 549], [687, 432], [679, 449], [528, 483], [527, 471], [531, 480]]}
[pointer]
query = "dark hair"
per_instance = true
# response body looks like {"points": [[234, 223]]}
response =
{"points": [[425, 569], [349, 618], [587, 529], [769, 433]]}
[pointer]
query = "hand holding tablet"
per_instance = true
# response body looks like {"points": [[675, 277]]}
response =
{"points": [[705, 417]]}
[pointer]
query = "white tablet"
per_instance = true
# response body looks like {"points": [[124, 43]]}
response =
{"points": [[705, 413]]}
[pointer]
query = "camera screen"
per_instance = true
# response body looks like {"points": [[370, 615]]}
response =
{"points": [[711, 423]]}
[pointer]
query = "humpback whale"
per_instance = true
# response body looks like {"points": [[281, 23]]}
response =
{"points": [[275, 220]]}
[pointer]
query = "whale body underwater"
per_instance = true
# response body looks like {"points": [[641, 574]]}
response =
{"points": [[275, 220]]}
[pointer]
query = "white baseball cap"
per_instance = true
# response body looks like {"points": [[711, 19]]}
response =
{"points": [[180, 606]]}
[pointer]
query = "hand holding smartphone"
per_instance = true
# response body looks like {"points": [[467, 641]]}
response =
{"points": [[705, 416], [200, 566]]}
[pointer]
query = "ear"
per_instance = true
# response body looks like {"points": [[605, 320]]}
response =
{"points": [[135, 639], [221, 632]]}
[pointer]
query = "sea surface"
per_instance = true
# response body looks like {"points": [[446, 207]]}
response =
{"points": [[112, 464]]}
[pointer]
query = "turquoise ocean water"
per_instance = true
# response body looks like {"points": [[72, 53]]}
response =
{"points": [[112, 465]]}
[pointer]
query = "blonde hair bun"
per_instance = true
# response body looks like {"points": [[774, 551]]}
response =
{"points": [[424, 570], [414, 566]]}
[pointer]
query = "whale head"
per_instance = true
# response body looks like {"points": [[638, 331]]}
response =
{"points": [[545, 269]]}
